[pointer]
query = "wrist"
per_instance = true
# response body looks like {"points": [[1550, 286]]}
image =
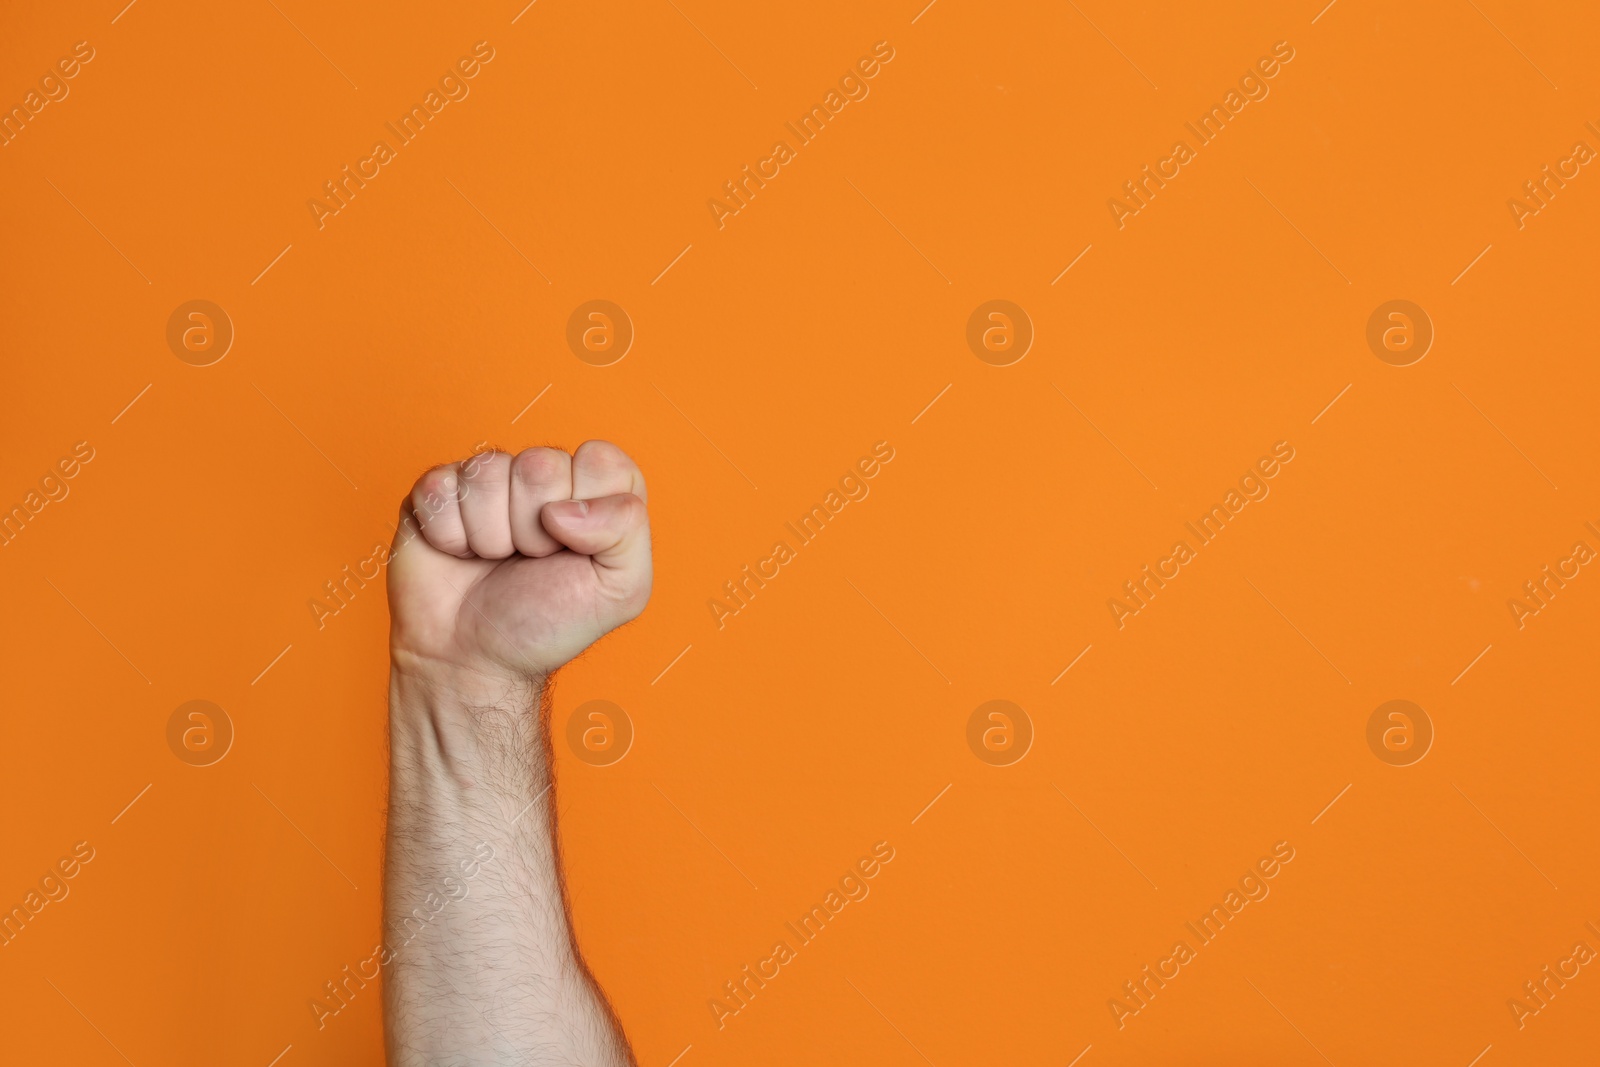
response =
{"points": [[419, 683], [480, 728]]}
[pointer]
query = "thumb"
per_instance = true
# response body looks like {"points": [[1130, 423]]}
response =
{"points": [[614, 530]]}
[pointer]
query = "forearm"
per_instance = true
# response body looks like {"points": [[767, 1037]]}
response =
{"points": [[484, 970]]}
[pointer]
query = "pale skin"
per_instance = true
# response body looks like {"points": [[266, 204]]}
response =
{"points": [[504, 569]]}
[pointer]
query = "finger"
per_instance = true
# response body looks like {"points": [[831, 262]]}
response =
{"points": [[614, 529], [435, 502], [600, 468], [406, 528], [486, 504], [538, 476]]}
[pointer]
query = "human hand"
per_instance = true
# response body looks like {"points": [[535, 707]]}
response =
{"points": [[508, 567]]}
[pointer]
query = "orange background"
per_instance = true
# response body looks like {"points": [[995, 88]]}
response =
{"points": [[823, 318]]}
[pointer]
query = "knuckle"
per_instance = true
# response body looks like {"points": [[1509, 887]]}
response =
{"points": [[602, 454], [537, 466], [440, 482], [434, 494], [485, 466], [602, 458]]}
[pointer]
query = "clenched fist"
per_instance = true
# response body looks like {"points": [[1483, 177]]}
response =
{"points": [[509, 567]]}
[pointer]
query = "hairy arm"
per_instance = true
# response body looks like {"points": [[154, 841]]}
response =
{"points": [[484, 969]]}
